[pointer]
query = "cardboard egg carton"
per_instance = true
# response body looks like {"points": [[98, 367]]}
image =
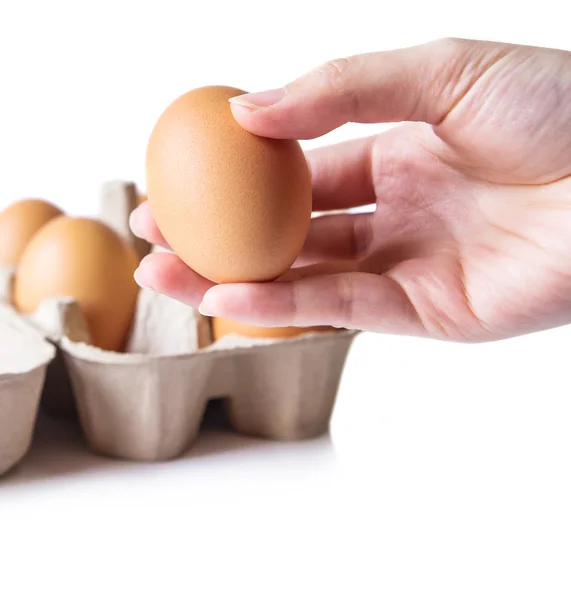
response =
{"points": [[147, 404], [24, 356]]}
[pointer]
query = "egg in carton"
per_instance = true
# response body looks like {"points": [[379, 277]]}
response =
{"points": [[147, 403]]}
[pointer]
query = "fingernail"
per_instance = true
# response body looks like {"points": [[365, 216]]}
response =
{"points": [[140, 280], [133, 223], [204, 311], [208, 306], [259, 99]]}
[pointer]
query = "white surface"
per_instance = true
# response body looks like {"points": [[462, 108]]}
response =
{"points": [[83, 83], [446, 474]]}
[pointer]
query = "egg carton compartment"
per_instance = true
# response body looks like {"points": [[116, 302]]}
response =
{"points": [[58, 316], [147, 403], [149, 406], [53, 319], [24, 357]]}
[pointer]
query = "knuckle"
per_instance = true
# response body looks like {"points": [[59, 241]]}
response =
{"points": [[294, 303], [335, 72], [451, 51], [450, 44], [361, 236], [345, 297], [336, 76]]}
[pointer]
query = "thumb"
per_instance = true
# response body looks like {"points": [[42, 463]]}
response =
{"points": [[360, 301], [419, 83]]}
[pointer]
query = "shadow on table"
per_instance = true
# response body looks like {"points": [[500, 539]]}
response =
{"points": [[59, 448]]}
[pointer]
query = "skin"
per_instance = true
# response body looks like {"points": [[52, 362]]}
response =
{"points": [[471, 237]]}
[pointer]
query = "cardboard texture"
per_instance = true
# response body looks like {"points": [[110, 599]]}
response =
{"points": [[53, 319], [24, 356], [118, 200], [148, 403], [150, 406]]}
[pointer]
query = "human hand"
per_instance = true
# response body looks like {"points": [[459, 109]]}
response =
{"points": [[471, 236]]}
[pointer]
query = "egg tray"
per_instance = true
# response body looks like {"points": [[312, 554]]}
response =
{"points": [[147, 404], [24, 357]]}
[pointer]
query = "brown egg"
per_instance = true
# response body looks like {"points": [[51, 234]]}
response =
{"points": [[234, 206], [86, 260], [18, 224], [222, 327]]}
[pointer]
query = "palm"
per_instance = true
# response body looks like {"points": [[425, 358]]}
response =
{"points": [[474, 214], [477, 259]]}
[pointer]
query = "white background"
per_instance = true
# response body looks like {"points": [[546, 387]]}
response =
{"points": [[446, 474]]}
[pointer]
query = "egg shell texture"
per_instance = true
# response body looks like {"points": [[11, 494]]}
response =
{"points": [[86, 260], [19, 222], [234, 206]]}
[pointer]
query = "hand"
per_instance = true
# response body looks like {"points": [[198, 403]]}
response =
{"points": [[471, 237]]}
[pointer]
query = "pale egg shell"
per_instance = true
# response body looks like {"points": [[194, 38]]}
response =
{"points": [[19, 222], [86, 260], [234, 206]]}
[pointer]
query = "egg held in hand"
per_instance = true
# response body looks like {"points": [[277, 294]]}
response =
{"points": [[234, 206], [86, 260], [19, 222]]}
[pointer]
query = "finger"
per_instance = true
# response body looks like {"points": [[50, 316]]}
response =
{"points": [[143, 225], [341, 175], [420, 83], [332, 267], [166, 274], [337, 237], [351, 300]]}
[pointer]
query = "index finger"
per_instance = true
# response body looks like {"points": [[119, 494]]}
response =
{"points": [[419, 83], [143, 225]]}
